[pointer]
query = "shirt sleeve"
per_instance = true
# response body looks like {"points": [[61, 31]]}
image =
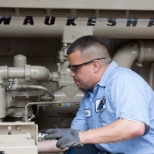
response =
{"points": [[131, 96]]}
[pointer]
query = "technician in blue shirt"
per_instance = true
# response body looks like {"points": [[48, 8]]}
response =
{"points": [[117, 111]]}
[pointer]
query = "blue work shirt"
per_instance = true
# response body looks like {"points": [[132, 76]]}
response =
{"points": [[120, 94]]}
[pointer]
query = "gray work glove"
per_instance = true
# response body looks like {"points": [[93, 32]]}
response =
{"points": [[66, 137]]}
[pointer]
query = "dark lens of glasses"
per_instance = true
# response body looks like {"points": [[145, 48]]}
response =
{"points": [[75, 68]]}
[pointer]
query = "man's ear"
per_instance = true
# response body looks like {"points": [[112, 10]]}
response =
{"points": [[96, 66]]}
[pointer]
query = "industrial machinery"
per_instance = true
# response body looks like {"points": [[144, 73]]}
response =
{"points": [[36, 90]]}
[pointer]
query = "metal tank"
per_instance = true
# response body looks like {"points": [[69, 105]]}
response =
{"points": [[36, 90]]}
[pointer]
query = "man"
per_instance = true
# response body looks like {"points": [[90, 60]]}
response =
{"points": [[117, 111]]}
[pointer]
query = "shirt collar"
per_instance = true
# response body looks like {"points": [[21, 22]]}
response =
{"points": [[107, 73]]}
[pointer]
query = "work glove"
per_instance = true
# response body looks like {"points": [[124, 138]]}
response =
{"points": [[66, 137]]}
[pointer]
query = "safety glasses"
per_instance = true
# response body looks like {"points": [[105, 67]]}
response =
{"points": [[75, 68]]}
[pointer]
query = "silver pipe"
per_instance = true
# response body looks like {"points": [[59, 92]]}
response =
{"points": [[17, 86], [132, 52], [3, 73], [40, 73], [19, 61], [126, 55], [38, 87], [10, 111], [2, 102], [36, 103], [141, 55], [15, 72], [151, 75], [29, 72]]}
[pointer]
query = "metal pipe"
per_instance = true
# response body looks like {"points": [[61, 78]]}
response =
{"points": [[151, 75], [2, 102], [15, 72], [141, 54], [19, 61], [17, 86], [132, 52], [37, 87], [3, 73], [29, 72], [126, 55], [40, 73], [10, 111], [35, 103]]}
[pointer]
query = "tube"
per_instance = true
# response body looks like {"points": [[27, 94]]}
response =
{"points": [[29, 72], [35, 103], [126, 55], [20, 61], [151, 75], [2, 102], [129, 53], [37, 87], [10, 111]]}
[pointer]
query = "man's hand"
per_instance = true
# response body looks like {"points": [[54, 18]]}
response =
{"points": [[66, 137]]}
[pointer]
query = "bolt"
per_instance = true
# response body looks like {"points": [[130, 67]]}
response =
{"points": [[28, 135]]}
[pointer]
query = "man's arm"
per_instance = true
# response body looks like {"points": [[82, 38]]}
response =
{"points": [[49, 146], [117, 131]]}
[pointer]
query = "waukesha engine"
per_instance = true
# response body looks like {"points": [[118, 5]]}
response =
{"points": [[23, 96]]}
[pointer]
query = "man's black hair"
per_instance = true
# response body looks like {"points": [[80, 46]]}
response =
{"points": [[85, 42]]}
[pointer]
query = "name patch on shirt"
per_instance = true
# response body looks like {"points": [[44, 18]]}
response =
{"points": [[88, 113], [100, 104]]}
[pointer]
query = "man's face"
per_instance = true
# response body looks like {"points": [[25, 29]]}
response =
{"points": [[82, 74]]}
